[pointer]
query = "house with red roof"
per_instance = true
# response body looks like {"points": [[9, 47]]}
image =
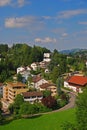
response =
{"points": [[76, 83]]}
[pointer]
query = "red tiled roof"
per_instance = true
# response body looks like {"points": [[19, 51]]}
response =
{"points": [[79, 80], [31, 94]]}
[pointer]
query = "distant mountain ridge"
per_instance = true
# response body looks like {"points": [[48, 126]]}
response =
{"points": [[72, 51]]}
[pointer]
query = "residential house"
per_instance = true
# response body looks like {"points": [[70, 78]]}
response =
{"points": [[47, 70], [28, 68], [86, 63], [51, 87], [32, 96], [34, 66], [19, 69], [37, 81], [43, 64], [76, 83], [47, 57], [25, 74]]}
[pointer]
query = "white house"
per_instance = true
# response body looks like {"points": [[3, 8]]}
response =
{"points": [[25, 74], [76, 83], [86, 63], [34, 66], [28, 68], [19, 69], [47, 57], [37, 81], [32, 96]]}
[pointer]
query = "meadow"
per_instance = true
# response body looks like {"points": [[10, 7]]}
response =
{"points": [[52, 121]]}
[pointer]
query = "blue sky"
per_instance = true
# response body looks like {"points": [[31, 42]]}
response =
{"points": [[54, 24]]}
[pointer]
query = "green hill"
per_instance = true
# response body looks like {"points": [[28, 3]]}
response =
{"points": [[45, 122]]}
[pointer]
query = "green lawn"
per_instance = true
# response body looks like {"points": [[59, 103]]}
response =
{"points": [[45, 122]]}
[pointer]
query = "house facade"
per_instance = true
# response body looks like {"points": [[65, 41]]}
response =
{"points": [[32, 97], [76, 83], [51, 87], [34, 66], [47, 57], [10, 90], [19, 69], [37, 81]]}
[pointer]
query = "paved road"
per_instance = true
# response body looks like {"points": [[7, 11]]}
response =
{"points": [[71, 104]]}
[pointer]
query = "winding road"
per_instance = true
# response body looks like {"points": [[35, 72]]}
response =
{"points": [[71, 103]]}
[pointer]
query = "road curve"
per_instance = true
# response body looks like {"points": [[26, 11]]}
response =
{"points": [[71, 104]]}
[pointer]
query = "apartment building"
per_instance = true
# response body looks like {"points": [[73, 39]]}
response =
{"points": [[10, 90]]}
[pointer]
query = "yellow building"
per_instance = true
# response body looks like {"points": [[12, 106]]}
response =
{"points": [[10, 91], [51, 87]]}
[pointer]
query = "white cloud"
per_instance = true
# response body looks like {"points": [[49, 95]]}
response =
{"points": [[84, 23], [5, 2], [15, 22], [64, 34], [47, 17], [17, 3], [71, 13], [45, 40], [21, 3], [19, 22]]}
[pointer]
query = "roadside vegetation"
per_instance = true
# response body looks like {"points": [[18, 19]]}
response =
{"points": [[42, 122]]}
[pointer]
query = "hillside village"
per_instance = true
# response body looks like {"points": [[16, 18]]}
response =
{"points": [[37, 84]]}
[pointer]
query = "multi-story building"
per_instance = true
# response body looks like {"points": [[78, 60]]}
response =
{"points": [[10, 90]]}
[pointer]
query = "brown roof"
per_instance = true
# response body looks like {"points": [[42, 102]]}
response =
{"points": [[31, 94], [1, 84], [16, 84], [79, 80], [46, 85], [36, 79]]}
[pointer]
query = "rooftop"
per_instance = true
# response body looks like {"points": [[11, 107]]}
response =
{"points": [[1, 84], [36, 79], [16, 84], [46, 85], [31, 94], [79, 80]]}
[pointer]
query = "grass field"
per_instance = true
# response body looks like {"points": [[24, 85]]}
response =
{"points": [[45, 122]]}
